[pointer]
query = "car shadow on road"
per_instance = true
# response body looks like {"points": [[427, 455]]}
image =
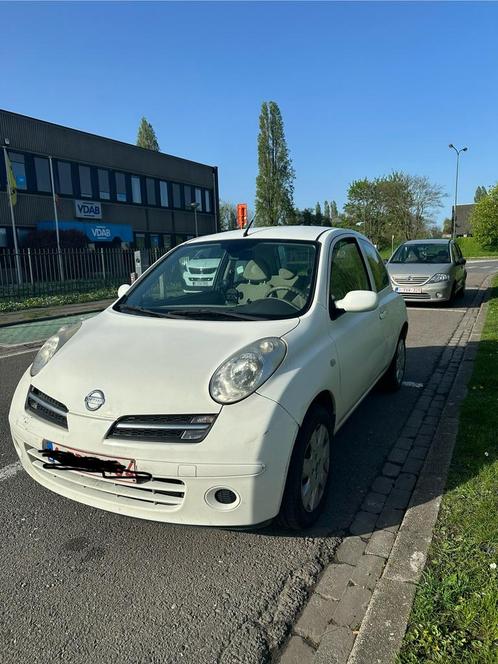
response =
{"points": [[361, 450]]}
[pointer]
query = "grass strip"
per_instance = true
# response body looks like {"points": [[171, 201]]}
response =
{"points": [[455, 613]]}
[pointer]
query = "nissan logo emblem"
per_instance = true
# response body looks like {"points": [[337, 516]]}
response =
{"points": [[94, 400]]}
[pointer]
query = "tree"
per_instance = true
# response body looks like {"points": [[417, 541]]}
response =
{"points": [[480, 193], [146, 137], [318, 215], [326, 211], [447, 226], [333, 210], [275, 180], [228, 216], [484, 219]]}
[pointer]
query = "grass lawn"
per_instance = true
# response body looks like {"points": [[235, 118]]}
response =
{"points": [[455, 614], [471, 249]]}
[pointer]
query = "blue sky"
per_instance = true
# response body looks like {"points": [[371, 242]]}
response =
{"points": [[364, 88]]}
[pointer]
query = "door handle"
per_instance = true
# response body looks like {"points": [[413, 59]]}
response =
{"points": [[382, 313]]}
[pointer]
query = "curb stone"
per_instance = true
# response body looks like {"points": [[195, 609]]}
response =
{"points": [[366, 616]]}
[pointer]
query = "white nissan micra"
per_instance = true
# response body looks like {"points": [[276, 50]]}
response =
{"points": [[216, 407]]}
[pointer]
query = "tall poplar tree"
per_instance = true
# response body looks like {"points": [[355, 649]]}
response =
{"points": [[275, 180], [146, 137], [326, 210]]}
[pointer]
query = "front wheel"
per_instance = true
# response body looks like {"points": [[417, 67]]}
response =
{"points": [[309, 471], [393, 378]]}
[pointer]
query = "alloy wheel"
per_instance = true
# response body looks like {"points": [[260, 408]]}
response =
{"points": [[316, 467]]}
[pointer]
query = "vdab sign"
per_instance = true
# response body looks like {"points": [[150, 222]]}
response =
{"points": [[88, 210]]}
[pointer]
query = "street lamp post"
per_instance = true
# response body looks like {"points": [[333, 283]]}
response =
{"points": [[452, 147], [194, 207]]}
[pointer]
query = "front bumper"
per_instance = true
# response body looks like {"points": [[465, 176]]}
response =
{"points": [[434, 292], [247, 451]]}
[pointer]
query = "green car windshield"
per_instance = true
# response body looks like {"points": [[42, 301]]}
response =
{"points": [[246, 279]]}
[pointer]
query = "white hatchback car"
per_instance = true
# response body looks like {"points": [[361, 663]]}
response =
{"points": [[216, 407]]}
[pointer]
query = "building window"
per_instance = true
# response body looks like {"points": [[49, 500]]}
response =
{"points": [[140, 240], [150, 185], [85, 182], [187, 192], [120, 187], [42, 171], [155, 241], [19, 169], [198, 198], [207, 199], [167, 242], [136, 192], [163, 193], [65, 179], [104, 189], [177, 195], [3, 237]]}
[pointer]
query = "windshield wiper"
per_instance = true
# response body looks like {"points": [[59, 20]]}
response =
{"points": [[141, 310], [210, 313]]}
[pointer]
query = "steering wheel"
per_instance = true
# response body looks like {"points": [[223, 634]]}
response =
{"points": [[289, 289]]}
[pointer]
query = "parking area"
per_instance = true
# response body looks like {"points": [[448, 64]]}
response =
{"points": [[82, 584]]}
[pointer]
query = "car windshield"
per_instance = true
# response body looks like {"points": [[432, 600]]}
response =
{"points": [[422, 253], [246, 279]]}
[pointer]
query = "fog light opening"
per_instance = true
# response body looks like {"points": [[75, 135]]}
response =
{"points": [[225, 496], [222, 498]]}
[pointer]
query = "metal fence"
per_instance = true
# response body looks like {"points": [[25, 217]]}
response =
{"points": [[35, 272]]}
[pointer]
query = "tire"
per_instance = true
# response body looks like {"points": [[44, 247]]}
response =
{"points": [[461, 292], [393, 378], [303, 501]]}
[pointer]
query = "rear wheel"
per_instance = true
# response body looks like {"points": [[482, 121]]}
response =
{"points": [[393, 378], [309, 471]]}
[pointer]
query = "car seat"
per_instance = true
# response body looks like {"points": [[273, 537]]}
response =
{"points": [[256, 284]]}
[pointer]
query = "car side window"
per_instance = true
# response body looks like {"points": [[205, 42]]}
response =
{"points": [[347, 271], [377, 267]]}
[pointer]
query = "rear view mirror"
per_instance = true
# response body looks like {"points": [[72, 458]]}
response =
{"points": [[123, 289], [358, 300]]}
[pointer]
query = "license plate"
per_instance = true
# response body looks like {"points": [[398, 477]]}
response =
{"points": [[408, 290], [127, 475]]}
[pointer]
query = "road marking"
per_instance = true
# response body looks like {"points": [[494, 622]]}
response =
{"points": [[9, 471], [410, 383]]}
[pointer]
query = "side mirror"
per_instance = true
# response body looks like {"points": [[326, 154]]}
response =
{"points": [[358, 300], [123, 289]]}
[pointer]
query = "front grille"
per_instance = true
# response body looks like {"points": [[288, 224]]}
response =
{"points": [[159, 493], [162, 428], [409, 280], [202, 270], [46, 408], [416, 296]]}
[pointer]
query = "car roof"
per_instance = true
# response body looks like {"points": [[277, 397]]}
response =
{"points": [[307, 233], [429, 241]]}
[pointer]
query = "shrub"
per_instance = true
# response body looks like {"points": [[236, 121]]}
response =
{"points": [[484, 219]]}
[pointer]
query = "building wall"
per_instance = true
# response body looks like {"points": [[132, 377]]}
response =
{"points": [[36, 137]]}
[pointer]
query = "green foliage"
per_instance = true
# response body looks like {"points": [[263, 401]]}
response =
{"points": [[447, 226], [484, 219], [471, 249], [398, 204], [275, 180], [146, 137], [334, 212], [228, 216], [326, 210], [57, 300], [480, 193], [455, 614], [318, 214]]}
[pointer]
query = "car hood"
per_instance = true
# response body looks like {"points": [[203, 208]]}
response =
{"points": [[418, 269], [147, 365]]}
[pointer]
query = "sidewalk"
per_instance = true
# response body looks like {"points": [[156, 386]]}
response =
{"points": [[48, 313]]}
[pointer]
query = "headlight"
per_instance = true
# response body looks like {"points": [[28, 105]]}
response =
{"points": [[440, 276], [51, 346], [246, 370]]}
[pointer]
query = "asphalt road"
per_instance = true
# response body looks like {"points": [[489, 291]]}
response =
{"points": [[80, 585]]}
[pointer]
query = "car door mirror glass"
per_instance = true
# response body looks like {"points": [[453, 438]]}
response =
{"points": [[358, 300]]}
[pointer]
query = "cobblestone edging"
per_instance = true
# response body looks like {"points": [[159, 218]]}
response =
{"points": [[368, 589]]}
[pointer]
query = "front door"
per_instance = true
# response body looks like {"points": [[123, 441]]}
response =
{"points": [[357, 336]]}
